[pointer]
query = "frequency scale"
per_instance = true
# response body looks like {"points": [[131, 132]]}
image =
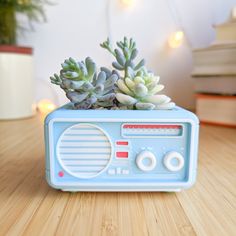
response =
{"points": [[121, 150]]}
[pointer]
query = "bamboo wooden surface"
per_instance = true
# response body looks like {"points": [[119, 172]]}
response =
{"points": [[28, 206]]}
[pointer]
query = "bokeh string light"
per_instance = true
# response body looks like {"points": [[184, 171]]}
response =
{"points": [[45, 106], [127, 3], [176, 39]]}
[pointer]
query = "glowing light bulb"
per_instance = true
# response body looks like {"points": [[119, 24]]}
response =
{"points": [[176, 39], [127, 2], [45, 106]]}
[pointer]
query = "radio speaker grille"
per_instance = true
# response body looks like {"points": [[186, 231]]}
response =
{"points": [[84, 150]]}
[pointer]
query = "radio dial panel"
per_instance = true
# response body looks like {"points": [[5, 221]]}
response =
{"points": [[121, 150]]}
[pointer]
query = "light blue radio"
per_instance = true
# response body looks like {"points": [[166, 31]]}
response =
{"points": [[121, 150]]}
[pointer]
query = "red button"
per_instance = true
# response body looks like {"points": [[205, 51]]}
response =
{"points": [[60, 173], [125, 143], [122, 154]]}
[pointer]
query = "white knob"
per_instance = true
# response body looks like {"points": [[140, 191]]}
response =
{"points": [[148, 156], [169, 157]]}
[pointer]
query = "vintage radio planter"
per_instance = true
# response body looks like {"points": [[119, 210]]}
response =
{"points": [[118, 133], [120, 150]]}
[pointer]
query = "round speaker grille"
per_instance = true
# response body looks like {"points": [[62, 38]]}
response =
{"points": [[84, 150]]}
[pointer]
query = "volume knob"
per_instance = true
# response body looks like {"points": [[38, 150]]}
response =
{"points": [[174, 156], [146, 161]]}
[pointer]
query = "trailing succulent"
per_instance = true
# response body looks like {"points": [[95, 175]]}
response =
{"points": [[136, 88]]}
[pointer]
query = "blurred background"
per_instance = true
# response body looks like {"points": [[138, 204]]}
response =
{"points": [[76, 28], [166, 33]]}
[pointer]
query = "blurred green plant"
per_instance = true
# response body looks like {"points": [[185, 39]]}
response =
{"points": [[9, 27]]}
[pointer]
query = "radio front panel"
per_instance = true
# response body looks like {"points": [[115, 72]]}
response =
{"points": [[116, 155]]}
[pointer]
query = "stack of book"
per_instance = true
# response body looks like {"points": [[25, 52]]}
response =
{"points": [[214, 76]]}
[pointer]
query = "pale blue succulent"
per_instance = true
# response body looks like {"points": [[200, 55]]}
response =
{"points": [[84, 87]]}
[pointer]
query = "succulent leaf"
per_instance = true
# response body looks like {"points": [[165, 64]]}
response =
{"points": [[130, 72], [108, 89], [91, 67], [140, 90], [144, 106], [122, 86], [125, 99], [55, 79], [119, 57], [83, 105], [107, 97], [139, 80], [166, 106], [158, 99], [130, 83], [134, 54], [115, 72], [92, 99], [99, 89], [65, 66], [87, 86], [70, 75], [83, 69], [66, 83], [140, 65], [72, 60], [101, 78], [117, 66], [111, 81], [156, 89], [76, 97], [139, 73], [76, 84], [107, 71]]}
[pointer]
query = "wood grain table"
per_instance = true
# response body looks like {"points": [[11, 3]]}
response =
{"points": [[28, 206]]}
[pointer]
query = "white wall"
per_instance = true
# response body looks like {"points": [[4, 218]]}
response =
{"points": [[75, 28]]}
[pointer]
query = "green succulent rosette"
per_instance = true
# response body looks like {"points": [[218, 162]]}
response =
{"points": [[142, 93]]}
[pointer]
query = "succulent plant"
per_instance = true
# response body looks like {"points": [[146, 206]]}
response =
{"points": [[141, 92], [125, 56], [9, 23], [137, 88], [83, 86]]}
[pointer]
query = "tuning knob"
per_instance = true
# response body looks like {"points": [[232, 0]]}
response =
{"points": [[170, 157], [146, 161]]}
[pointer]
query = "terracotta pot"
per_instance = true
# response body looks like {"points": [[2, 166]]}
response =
{"points": [[16, 82]]}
